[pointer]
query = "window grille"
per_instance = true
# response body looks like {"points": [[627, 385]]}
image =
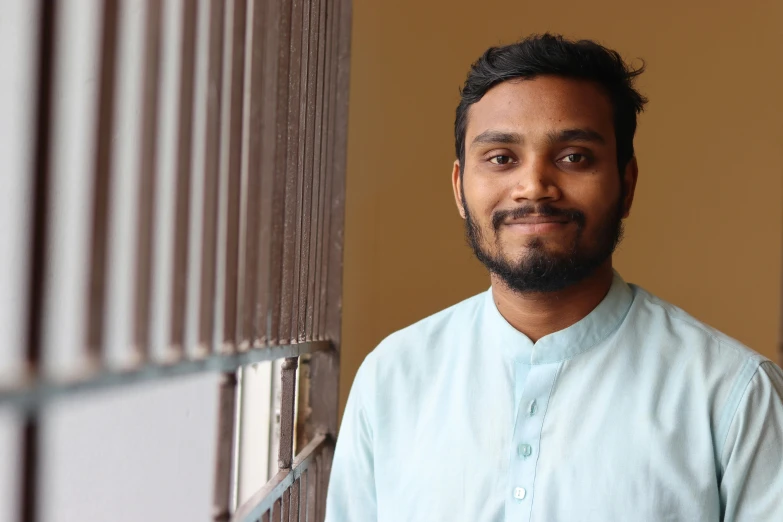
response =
{"points": [[254, 269]]}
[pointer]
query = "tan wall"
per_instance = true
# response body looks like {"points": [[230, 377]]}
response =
{"points": [[706, 229]]}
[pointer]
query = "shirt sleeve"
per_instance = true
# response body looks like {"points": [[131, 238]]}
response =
{"points": [[351, 494], [751, 487]]}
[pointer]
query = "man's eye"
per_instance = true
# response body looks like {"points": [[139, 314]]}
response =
{"points": [[574, 158], [500, 160]]}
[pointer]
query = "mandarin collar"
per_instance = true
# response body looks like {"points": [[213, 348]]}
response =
{"points": [[564, 344]]}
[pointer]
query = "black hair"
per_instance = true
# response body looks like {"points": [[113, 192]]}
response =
{"points": [[555, 55]]}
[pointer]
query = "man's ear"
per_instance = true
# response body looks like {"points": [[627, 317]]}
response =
{"points": [[456, 185], [630, 176]]}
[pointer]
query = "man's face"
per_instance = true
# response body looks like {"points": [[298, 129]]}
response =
{"points": [[540, 189]]}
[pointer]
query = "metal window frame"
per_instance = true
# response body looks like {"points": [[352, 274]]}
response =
{"points": [[275, 158]]}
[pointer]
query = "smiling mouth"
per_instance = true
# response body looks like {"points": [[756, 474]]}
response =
{"points": [[538, 220], [537, 224]]}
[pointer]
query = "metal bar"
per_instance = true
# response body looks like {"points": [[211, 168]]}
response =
{"points": [[304, 173], [337, 209], [102, 184], [31, 444], [323, 481], [264, 517], [272, 317], [221, 510], [313, 301], [285, 508], [312, 489], [234, 161], [294, 509], [147, 176], [264, 498], [211, 185], [324, 370], [331, 129], [262, 162], [251, 159], [293, 179], [41, 166], [306, 145], [183, 180], [36, 393], [303, 497], [47, 30], [287, 399]]}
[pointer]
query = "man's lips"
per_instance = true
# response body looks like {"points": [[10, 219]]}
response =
{"points": [[537, 224], [536, 220]]}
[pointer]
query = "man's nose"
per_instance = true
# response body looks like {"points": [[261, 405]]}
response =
{"points": [[534, 181]]}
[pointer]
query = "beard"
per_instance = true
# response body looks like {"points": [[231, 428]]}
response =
{"points": [[541, 270]]}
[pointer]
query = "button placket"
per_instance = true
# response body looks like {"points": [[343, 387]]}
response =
{"points": [[532, 405]]}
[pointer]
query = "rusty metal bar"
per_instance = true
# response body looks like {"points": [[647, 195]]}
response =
{"points": [[316, 248], [331, 129], [36, 393], [31, 443], [303, 496], [102, 184], [41, 167], [275, 512], [323, 483], [337, 203], [261, 167], [308, 174], [265, 517], [272, 39], [251, 173], [293, 178], [147, 175], [324, 370], [312, 488], [225, 447], [263, 499], [303, 173], [233, 165], [285, 508], [287, 399], [294, 510], [271, 314], [183, 180], [211, 168]]}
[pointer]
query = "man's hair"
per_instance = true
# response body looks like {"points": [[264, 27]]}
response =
{"points": [[554, 55]]}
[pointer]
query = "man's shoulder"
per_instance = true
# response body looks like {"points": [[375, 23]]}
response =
{"points": [[431, 332], [686, 335]]}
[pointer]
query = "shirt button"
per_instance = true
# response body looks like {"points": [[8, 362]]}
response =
{"points": [[519, 493], [533, 408], [524, 450]]}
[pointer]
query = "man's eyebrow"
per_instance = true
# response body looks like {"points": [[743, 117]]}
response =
{"points": [[494, 136], [566, 135]]}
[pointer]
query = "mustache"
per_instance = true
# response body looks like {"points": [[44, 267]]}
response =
{"points": [[571, 214]]}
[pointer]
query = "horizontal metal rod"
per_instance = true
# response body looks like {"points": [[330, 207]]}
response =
{"points": [[33, 395], [262, 500]]}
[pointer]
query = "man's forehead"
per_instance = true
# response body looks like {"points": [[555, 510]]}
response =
{"points": [[541, 105]]}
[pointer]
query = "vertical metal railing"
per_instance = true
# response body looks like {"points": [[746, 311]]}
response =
{"points": [[269, 257]]}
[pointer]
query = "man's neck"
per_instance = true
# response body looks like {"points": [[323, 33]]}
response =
{"points": [[538, 314]]}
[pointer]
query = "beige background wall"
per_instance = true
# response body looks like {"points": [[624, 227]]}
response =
{"points": [[706, 228]]}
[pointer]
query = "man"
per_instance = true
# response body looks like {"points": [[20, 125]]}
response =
{"points": [[562, 393]]}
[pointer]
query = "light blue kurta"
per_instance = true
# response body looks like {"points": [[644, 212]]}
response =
{"points": [[636, 413]]}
